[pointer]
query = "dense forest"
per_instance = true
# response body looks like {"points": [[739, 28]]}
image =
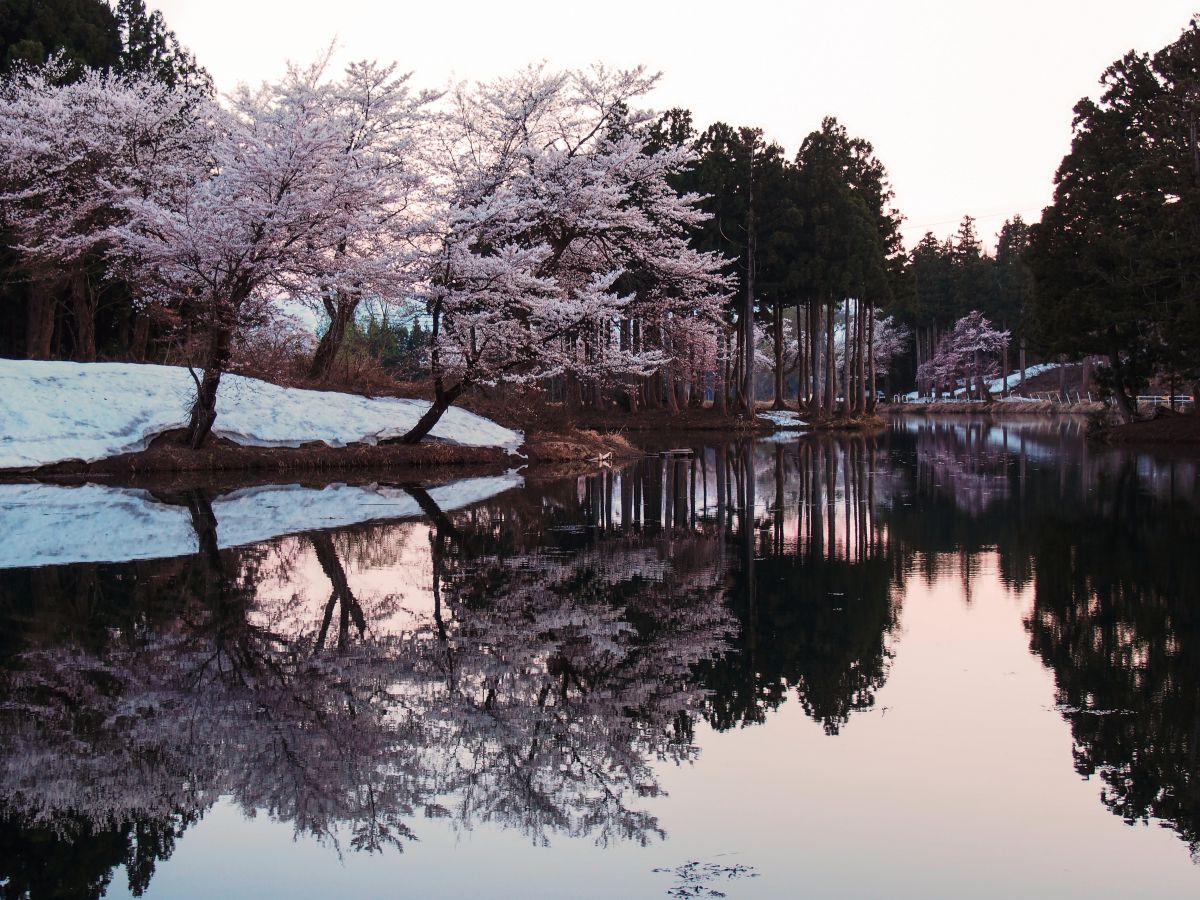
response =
{"points": [[536, 231]]}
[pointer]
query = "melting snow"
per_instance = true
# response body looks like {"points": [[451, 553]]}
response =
{"points": [[55, 411], [52, 524], [783, 418]]}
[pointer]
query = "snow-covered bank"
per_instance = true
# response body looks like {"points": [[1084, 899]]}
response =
{"points": [[996, 385], [56, 411], [50, 524], [784, 418]]}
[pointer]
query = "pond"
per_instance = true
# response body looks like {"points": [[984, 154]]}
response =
{"points": [[955, 659]]}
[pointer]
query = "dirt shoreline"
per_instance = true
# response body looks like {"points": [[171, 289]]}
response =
{"points": [[581, 439], [168, 456]]}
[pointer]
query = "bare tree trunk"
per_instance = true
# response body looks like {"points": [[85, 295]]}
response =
{"points": [[1021, 363], [777, 322], [83, 311], [442, 401], [816, 397], [39, 320], [847, 354], [748, 307], [668, 378], [140, 340], [860, 365], [720, 401], [801, 362], [1004, 365], [341, 312], [204, 410], [830, 358], [872, 396]]}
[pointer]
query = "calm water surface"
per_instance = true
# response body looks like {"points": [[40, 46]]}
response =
{"points": [[954, 660]]}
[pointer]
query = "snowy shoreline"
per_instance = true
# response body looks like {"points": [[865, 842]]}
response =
{"points": [[54, 412]]}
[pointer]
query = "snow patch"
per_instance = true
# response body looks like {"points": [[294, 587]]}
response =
{"points": [[783, 418], [56, 411], [52, 524]]}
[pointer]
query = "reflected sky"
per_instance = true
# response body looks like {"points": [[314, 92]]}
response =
{"points": [[945, 661]]}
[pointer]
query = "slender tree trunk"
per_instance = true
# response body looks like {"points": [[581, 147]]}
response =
{"points": [[668, 380], [443, 399], [848, 359], [748, 307], [778, 402], [83, 311], [815, 396], [720, 400], [1021, 364], [1004, 364], [872, 395], [860, 368], [802, 361], [830, 358], [204, 410]]}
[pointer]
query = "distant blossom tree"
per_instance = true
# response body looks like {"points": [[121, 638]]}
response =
{"points": [[969, 351]]}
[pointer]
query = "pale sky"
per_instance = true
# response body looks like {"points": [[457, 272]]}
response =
{"points": [[968, 104]]}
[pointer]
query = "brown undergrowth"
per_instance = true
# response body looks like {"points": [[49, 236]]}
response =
{"points": [[1004, 408], [1165, 427]]}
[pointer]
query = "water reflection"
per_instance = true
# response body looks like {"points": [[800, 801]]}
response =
{"points": [[530, 661]]}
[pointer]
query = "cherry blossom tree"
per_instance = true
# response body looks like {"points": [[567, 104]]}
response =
{"points": [[71, 152], [381, 120], [557, 225], [968, 351], [300, 198]]}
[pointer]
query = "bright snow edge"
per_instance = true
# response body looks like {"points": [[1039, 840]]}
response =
{"points": [[56, 411]]}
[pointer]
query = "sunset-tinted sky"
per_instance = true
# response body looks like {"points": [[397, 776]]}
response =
{"points": [[967, 104]]}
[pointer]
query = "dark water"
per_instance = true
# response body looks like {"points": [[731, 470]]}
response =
{"points": [[949, 661]]}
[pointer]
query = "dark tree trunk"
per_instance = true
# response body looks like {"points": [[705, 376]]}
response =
{"points": [[204, 410], [830, 359], [39, 320], [1004, 364], [720, 400], [83, 311], [778, 324], [442, 401], [140, 340], [802, 361], [860, 369], [872, 400], [341, 312]]}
